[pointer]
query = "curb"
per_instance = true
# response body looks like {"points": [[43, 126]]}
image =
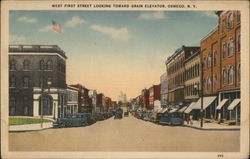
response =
{"points": [[19, 131], [212, 129]]}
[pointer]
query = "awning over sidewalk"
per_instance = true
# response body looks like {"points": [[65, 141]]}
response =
{"points": [[222, 103], [234, 104], [173, 110], [189, 108], [206, 102], [163, 110], [182, 109]]}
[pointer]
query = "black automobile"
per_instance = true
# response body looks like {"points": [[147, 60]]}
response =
{"points": [[72, 120], [99, 117], [125, 114], [171, 119], [118, 113]]}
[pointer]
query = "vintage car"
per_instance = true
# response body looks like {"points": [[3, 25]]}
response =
{"points": [[72, 120], [118, 113], [99, 117], [170, 119], [125, 114]]}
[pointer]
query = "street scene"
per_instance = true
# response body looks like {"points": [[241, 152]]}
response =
{"points": [[127, 134], [142, 83]]}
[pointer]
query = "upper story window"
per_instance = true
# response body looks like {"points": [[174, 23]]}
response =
{"points": [[49, 65], [209, 84], [231, 75], [12, 64], [239, 73], [230, 20], [12, 81], [231, 47], [42, 65], [238, 43], [224, 47], [26, 81], [214, 56], [209, 61], [204, 63], [224, 76], [223, 25], [214, 81], [204, 84], [26, 64], [238, 16]]}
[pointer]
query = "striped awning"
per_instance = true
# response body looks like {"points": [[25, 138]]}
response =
{"points": [[206, 102], [182, 109], [173, 110], [189, 108], [222, 103], [234, 104]]}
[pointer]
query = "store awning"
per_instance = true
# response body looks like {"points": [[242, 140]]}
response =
{"points": [[182, 109], [234, 104], [189, 108], [206, 102], [173, 110], [222, 103]]}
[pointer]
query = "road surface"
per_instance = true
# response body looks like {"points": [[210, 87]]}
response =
{"points": [[127, 134]]}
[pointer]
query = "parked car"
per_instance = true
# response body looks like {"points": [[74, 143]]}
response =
{"points": [[118, 113], [99, 117], [171, 119], [72, 120], [125, 114], [147, 116]]}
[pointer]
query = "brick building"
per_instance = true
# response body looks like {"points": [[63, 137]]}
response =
{"points": [[72, 101], [37, 73], [164, 89], [144, 99], [154, 94], [176, 74], [100, 103]]}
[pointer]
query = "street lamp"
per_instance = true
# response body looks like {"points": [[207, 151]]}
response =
{"points": [[42, 102], [200, 93]]}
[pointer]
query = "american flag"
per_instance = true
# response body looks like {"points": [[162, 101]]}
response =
{"points": [[56, 27]]}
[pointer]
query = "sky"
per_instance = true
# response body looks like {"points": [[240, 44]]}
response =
{"points": [[113, 51]]}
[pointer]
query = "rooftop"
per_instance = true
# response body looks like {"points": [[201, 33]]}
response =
{"points": [[36, 49]]}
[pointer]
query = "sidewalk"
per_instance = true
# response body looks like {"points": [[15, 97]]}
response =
{"points": [[30, 127], [211, 126]]}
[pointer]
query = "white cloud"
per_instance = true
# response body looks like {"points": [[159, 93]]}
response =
{"points": [[210, 14], [74, 21], [46, 28], [17, 38], [115, 33], [27, 20], [153, 16], [49, 28]]}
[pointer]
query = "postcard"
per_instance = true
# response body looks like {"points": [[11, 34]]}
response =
{"points": [[124, 79]]}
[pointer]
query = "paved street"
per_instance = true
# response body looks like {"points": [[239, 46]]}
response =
{"points": [[128, 134]]}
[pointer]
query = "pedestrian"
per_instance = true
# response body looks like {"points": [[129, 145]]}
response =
{"points": [[191, 119], [187, 118]]}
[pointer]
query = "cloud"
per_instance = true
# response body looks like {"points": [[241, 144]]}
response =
{"points": [[17, 38], [210, 14], [74, 21], [153, 16], [115, 33], [48, 28], [27, 20]]}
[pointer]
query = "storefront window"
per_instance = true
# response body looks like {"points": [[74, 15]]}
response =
{"points": [[26, 64]]}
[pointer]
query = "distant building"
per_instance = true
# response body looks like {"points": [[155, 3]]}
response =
{"points": [[72, 101], [122, 98], [37, 73], [164, 89], [100, 103], [145, 98], [93, 97], [154, 94]]}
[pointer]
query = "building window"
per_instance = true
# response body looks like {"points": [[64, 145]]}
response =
{"points": [[204, 84], [26, 82], [13, 65], [26, 64], [209, 61], [230, 20], [214, 82], [224, 76], [26, 106], [224, 46], [231, 75], [42, 65], [214, 56], [238, 43], [12, 105], [49, 65], [204, 63], [238, 16], [239, 73], [209, 84], [231, 47], [223, 25], [12, 81]]}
